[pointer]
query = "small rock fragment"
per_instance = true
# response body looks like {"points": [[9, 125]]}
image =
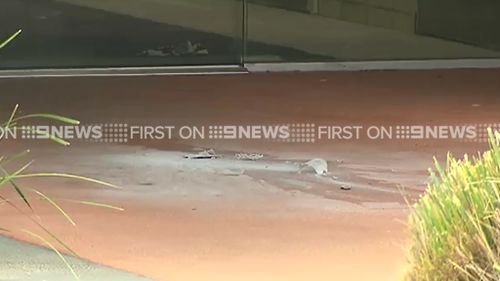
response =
{"points": [[206, 154], [320, 166], [232, 172]]}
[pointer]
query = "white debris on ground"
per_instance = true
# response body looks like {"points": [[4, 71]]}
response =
{"points": [[210, 154], [249, 156], [154, 53], [320, 166], [187, 48], [231, 172], [205, 154]]}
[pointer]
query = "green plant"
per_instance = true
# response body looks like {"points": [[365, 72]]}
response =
{"points": [[8, 178], [455, 227], [10, 39]]}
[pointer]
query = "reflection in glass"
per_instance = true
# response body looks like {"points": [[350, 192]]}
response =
{"points": [[87, 33], [358, 30], [107, 33]]}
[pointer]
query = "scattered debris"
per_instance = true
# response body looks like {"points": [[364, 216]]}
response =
{"points": [[187, 48], [232, 172], [205, 154], [320, 166], [153, 53], [249, 156], [345, 187]]}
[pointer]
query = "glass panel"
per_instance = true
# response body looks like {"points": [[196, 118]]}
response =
{"points": [[353, 30], [95, 33], [106, 33], [471, 22]]}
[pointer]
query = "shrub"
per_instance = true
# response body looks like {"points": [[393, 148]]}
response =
{"points": [[455, 226]]}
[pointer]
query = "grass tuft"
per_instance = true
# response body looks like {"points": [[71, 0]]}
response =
{"points": [[455, 227]]}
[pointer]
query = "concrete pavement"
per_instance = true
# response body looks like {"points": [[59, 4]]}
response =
{"points": [[24, 262]]}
